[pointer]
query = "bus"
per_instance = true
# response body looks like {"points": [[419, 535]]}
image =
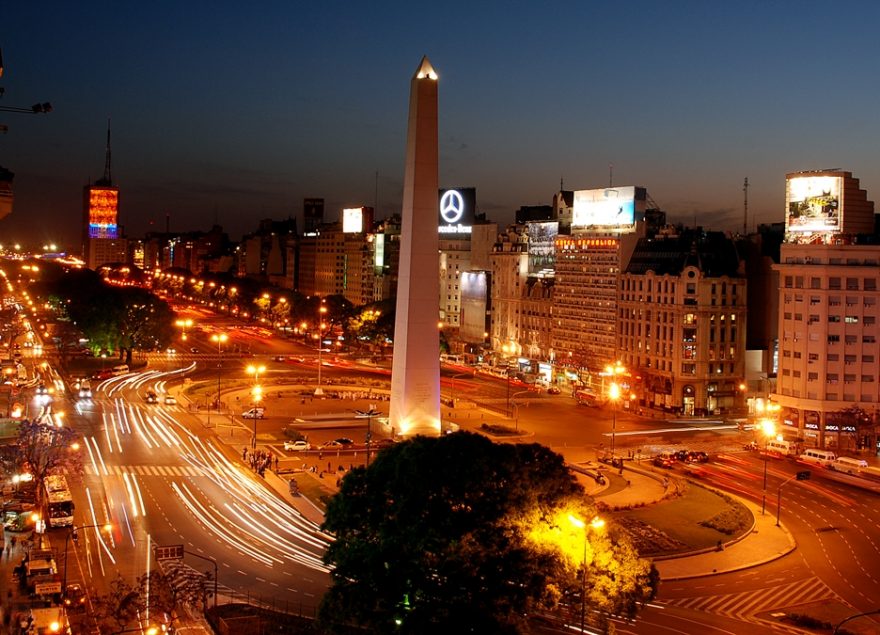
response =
{"points": [[59, 501], [586, 397]]}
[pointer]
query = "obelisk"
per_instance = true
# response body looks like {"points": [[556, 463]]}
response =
{"points": [[415, 370]]}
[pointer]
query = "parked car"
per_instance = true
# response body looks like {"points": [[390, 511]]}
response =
{"points": [[299, 445], [169, 400], [254, 413], [553, 390]]}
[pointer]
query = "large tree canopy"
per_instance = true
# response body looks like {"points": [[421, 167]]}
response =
{"points": [[459, 533]]}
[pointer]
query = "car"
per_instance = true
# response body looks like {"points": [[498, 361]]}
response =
{"points": [[698, 456], [337, 443], [300, 445], [42, 390], [151, 397], [383, 443], [280, 358], [170, 400], [553, 390], [682, 455], [74, 598], [663, 460], [254, 413], [193, 349]]}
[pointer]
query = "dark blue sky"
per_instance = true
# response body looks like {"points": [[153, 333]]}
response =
{"points": [[238, 111]]}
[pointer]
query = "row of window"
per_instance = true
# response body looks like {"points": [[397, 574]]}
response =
{"points": [[832, 319], [833, 300], [833, 282], [831, 357]]}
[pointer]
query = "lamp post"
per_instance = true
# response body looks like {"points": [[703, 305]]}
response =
{"points": [[768, 427], [256, 397], [613, 396], [321, 312], [183, 325], [596, 524], [220, 338], [73, 533]]}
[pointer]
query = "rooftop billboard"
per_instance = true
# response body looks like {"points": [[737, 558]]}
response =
{"points": [[609, 207], [103, 210], [813, 203], [457, 210]]}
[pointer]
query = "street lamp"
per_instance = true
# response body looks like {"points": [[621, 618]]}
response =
{"points": [[220, 338], [613, 396], [321, 325], [256, 397], [596, 524], [768, 427]]}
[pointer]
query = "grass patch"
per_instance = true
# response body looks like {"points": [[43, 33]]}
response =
{"points": [[697, 520]]}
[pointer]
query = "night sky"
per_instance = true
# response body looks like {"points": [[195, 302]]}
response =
{"points": [[233, 111]]}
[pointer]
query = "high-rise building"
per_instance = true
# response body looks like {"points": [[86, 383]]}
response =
{"points": [[828, 384], [101, 242]]}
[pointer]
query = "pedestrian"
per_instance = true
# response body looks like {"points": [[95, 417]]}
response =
{"points": [[244, 454], [13, 541], [329, 468], [276, 462]]}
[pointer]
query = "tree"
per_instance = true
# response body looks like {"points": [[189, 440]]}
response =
{"points": [[459, 533], [44, 449]]}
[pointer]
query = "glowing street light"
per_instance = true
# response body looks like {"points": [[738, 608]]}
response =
{"points": [[256, 397], [321, 326], [596, 525], [220, 338]]}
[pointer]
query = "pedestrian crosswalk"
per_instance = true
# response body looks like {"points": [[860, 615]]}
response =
{"points": [[748, 604], [146, 470]]}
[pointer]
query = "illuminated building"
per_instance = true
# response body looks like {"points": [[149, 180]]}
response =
{"points": [[829, 356], [682, 322], [101, 240]]}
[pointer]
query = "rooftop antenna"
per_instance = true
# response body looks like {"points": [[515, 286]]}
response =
{"points": [[746, 206], [561, 186], [108, 174], [610, 175], [376, 195]]}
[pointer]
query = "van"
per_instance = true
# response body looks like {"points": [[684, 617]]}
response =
{"points": [[120, 369], [848, 465], [785, 448], [819, 457]]}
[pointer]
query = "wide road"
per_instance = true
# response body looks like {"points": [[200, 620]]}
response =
{"points": [[156, 481]]}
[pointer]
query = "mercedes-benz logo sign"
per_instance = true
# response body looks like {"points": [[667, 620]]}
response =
{"points": [[451, 206]]}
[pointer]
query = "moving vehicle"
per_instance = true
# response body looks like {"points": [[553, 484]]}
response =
{"points": [[85, 389], [338, 443], [170, 400], [586, 398], [74, 598], [59, 501], [299, 445], [819, 457], [784, 448], [151, 397], [553, 390], [848, 465], [254, 413], [119, 369]]}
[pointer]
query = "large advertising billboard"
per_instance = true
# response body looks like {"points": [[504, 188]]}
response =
{"points": [[609, 207], [457, 210], [103, 211], [813, 203], [353, 220], [474, 320], [542, 247]]}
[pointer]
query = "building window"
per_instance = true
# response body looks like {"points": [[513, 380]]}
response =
{"points": [[815, 283], [833, 339], [852, 284], [851, 319], [812, 376]]}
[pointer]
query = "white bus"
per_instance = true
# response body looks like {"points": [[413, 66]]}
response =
{"points": [[59, 501]]}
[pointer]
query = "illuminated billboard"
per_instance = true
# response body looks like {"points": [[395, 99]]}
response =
{"points": [[609, 207], [542, 247], [474, 320], [353, 220], [813, 203], [457, 210], [103, 211]]}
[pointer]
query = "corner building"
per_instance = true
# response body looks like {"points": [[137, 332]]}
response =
{"points": [[682, 321], [828, 346]]}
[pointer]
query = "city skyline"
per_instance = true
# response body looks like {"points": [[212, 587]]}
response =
{"points": [[229, 116]]}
